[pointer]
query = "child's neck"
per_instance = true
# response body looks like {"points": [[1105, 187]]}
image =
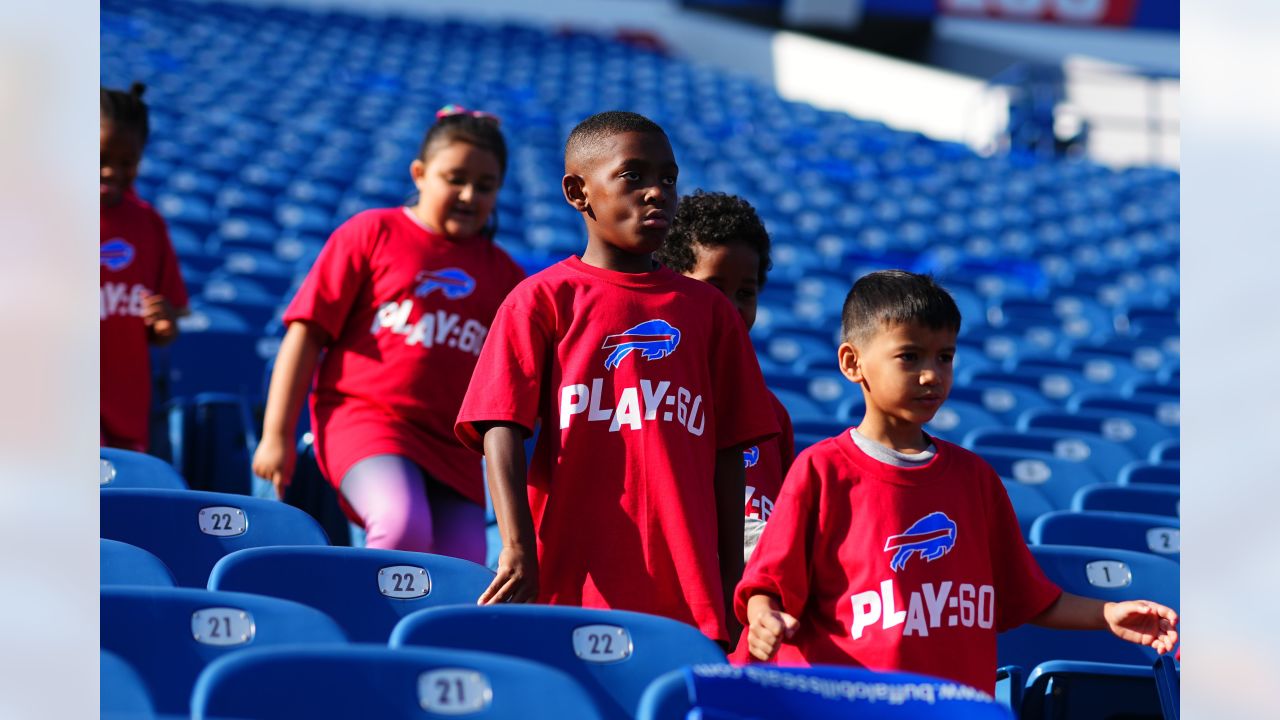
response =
{"points": [[609, 257], [893, 433]]}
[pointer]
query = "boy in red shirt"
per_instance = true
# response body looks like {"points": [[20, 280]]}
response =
{"points": [[894, 550], [647, 392], [719, 239]]}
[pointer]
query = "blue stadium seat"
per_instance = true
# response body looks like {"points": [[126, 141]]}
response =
{"points": [[365, 681], [957, 418], [613, 653], [801, 408], [220, 361], [1142, 499], [367, 591], [1156, 534], [1055, 478], [1004, 402], [1068, 690], [1107, 458], [211, 439], [767, 692], [1103, 573], [124, 564], [1145, 473], [190, 530], [122, 693], [1165, 411], [1028, 504], [1167, 451], [1169, 684], [170, 634], [129, 469], [1137, 433]]}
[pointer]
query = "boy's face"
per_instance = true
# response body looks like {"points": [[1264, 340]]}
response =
{"points": [[628, 192], [120, 153], [735, 271], [905, 371]]}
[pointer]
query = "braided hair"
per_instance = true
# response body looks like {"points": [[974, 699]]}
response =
{"points": [[126, 110]]}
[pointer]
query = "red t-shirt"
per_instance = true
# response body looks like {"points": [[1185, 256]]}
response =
{"points": [[136, 259], [407, 311], [767, 464], [912, 569], [638, 379]]}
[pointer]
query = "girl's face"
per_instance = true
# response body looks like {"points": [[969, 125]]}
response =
{"points": [[121, 151], [457, 189]]}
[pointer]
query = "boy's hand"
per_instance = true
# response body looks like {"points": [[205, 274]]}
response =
{"points": [[160, 318], [1143, 622], [516, 581], [769, 626], [274, 460]]}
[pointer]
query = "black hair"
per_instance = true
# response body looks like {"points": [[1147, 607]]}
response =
{"points": [[125, 109], [479, 130], [585, 139], [713, 219], [896, 297]]}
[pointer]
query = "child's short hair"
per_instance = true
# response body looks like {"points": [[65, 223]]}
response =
{"points": [[585, 139], [456, 124], [712, 220], [125, 109], [896, 297]]}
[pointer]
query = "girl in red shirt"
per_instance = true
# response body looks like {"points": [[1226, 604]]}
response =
{"points": [[400, 301]]}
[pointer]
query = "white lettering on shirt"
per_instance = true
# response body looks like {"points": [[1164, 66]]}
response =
{"points": [[633, 406], [431, 329], [970, 606]]}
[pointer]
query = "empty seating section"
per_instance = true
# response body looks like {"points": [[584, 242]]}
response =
{"points": [[271, 125]]}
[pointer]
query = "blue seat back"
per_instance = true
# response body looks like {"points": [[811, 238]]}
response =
{"points": [[1103, 573], [190, 530], [1136, 432], [1146, 473], [367, 591], [1028, 504], [128, 469], [1107, 458], [122, 693], [124, 564], [763, 692], [1167, 451], [1055, 478], [1143, 499], [1155, 534], [211, 438], [615, 654], [170, 634], [1073, 690], [365, 681], [957, 418]]}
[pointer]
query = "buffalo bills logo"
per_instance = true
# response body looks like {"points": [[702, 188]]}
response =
{"points": [[932, 536], [115, 254], [654, 339], [453, 283], [751, 456]]}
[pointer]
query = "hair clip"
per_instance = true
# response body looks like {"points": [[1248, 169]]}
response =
{"points": [[450, 110]]}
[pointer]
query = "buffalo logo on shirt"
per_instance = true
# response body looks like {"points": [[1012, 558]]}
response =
{"points": [[751, 456], [115, 254], [654, 339], [932, 536], [453, 283]]}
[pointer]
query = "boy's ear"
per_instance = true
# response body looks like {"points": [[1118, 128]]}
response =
{"points": [[575, 192], [847, 357]]}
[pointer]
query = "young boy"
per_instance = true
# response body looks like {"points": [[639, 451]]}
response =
{"points": [[647, 392], [719, 239], [891, 549]]}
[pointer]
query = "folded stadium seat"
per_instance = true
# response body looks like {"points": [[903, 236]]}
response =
{"points": [[1028, 504], [614, 654], [827, 388], [366, 591], [1107, 458], [244, 232], [957, 418], [1137, 433], [1166, 451], [801, 408], [1144, 473], [725, 692], [211, 439], [236, 289], [1164, 410], [1156, 534], [211, 317], [1153, 389], [186, 209], [1097, 375], [1056, 478], [1169, 684], [310, 492], [1103, 573], [1076, 690], [122, 693], [235, 200], [170, 634], [129, 469], [1145, 358], [364, 681], [1004, 402], [1053, 385], [997, 345], [219, 361], [801, 350], [1145, 499], [124, 564], [190, 530]]}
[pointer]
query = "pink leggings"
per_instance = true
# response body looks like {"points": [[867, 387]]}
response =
{"points": [[403, 509]]}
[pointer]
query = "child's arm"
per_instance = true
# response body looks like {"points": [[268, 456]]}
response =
{"points": [[517, 578], [769, 626], [160, 318], [1138, 621], [729, 481], [295, 364]]}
